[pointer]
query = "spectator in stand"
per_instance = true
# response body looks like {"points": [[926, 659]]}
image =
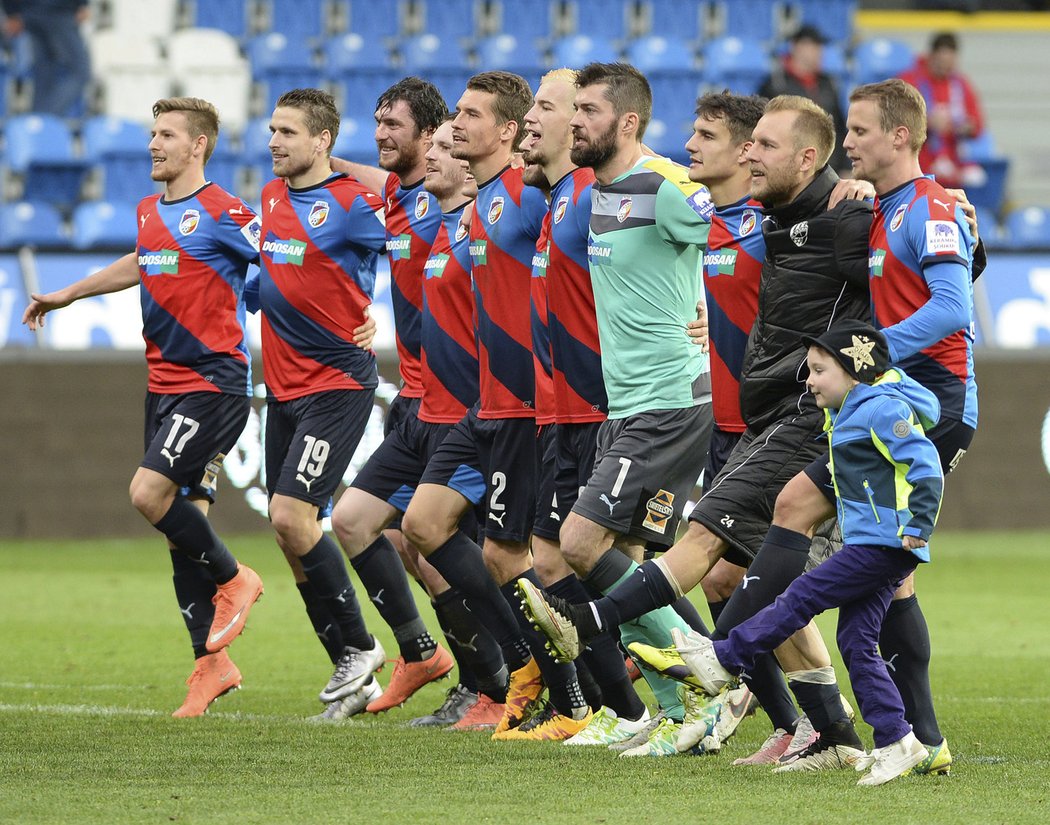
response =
{"points": [[800, 73], [953, 113], [61, 65]]}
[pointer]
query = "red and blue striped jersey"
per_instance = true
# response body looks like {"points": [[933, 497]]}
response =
{"points": [[318, 255], [412, 220], [927, 315], [732, 271], [193, 255], [508, 216], [449, 352], [541, 336], [579, 387]]}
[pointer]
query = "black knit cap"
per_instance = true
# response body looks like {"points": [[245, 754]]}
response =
{"points": [[859, 347]]}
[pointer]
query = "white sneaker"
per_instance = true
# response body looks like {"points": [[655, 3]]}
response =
{"points": [[891, 761], [350, 705], [606, 728], [822, 757], [661, 741], [642, 736], [353, 669], [735, 705], [698, 653]]}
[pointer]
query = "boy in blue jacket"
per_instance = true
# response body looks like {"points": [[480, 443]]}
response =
{"points": [[888, 486]]}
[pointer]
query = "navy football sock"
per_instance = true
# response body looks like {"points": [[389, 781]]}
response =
{"points": [[687, 610], [194, 590], [781, 559], [766, 680], [381, 572], [645, 590], [603, 658], [560, 678], [322, 620], [189, 530], [326, 571], [473, 646], [460, 563], [905, 645], [716, 609]]}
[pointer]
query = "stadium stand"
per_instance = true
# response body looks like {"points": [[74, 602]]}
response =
{"points": [[208, 63], [104, 225], [750, 19], [1028, 228], [39, 150], [576, 50], [297, 19], [231, 16], [735, 63], [374, 21], [27, 223], [684, 19], [117, 147], [154, 20], [130, 74], [280, 63], [879, 58], [510, 53], [610, 19], [833, 17]]}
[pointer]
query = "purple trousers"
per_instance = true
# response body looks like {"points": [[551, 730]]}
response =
{"points": [[859, 580]]}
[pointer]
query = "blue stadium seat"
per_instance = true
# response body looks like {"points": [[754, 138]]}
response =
{"points": [[525, 19], [229, 15], [601, 18], [833, 17], [656, 53], [510, 53], [363, 87], [346, 53], [754, 19], [102, 224], [376, 21], [298, 19], [255, 149], [280, 63], [120, 148], [40, 148], [833, 62], [1028, 228], [578, 50], [29, 223], [674, 97], [881, 58], [684, 19], [735, 63], [356, 140], [450, 19], [428, 51]]}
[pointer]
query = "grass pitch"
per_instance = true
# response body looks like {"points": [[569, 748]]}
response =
{"points": [[94, 653]]}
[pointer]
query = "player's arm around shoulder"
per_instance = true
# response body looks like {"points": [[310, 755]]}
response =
{"points": [[852, 228], [683, 207]]}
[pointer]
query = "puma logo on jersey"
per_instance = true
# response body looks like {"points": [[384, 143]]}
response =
{"points": [[187, 611], [747, 579], [889, 662], [378, 597], [142, 220], [171, 458], [941, 203], [610, 504], [306, 481], [498, 519], [274, 202]]}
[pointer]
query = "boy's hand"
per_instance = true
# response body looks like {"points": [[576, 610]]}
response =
{"points": [[912, 542]]}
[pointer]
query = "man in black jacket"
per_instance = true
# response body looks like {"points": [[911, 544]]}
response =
{"points": [[815, 273], [800, 73]]}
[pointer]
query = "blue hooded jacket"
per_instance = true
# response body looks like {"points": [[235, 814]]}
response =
{"points": [[886, 472]]}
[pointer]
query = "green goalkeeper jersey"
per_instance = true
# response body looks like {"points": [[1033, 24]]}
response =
{"points": [[645, 250]]}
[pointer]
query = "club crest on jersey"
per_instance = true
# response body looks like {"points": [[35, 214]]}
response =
{"points": [[461, 233], [800, 233], [624, 212], [898, 217], [658, 512], [559, 210], [748, 222], [318, 214], [495, 209], [422, 205], [189, 221]]}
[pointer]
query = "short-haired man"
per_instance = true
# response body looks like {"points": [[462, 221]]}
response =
{"points": [[921, 266], [814, 273], [194, 245], [490, 454], [321, 236], [647, 228]]}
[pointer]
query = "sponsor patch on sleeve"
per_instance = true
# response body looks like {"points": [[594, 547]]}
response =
{"points": [[700, 202], [901, 428], [942, 238], [251, 232]]}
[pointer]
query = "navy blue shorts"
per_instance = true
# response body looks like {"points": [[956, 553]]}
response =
{"points": [[722, 445], [187, 437], [401, 409], [576, 448], [310, 441], [491, 462], [548, 520]]}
